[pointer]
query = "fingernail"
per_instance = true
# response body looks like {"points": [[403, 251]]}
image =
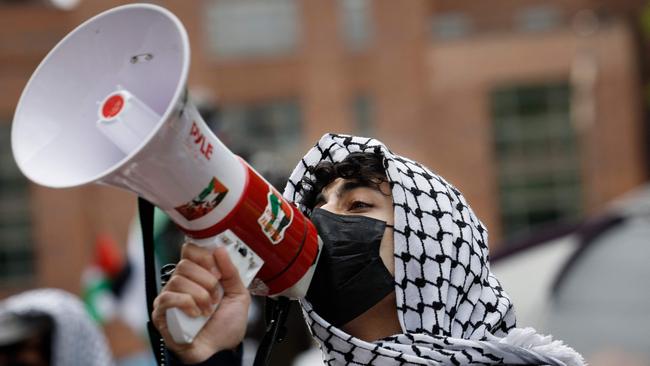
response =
{"points": [[196, 312], [207, 312]]}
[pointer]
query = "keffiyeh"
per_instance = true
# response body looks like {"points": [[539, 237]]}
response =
{"points": [[451, 308], [76, 339]]}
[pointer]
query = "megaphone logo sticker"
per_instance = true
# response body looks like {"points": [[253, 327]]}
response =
{"points": [[204, 202], [276, 218]]}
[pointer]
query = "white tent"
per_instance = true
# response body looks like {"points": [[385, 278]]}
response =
{"points": [[590, 287]]}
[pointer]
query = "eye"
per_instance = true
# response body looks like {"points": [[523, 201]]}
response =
{"points": [[359, 205]]}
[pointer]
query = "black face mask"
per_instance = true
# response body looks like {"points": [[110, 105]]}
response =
{"points": [[350, 277]]}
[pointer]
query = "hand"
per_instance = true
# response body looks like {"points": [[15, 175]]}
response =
{"points": [[194, 288]]}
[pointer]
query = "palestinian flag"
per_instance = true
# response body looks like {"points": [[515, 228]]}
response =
{"points": [[204, 202], [276, 217], [98, 278]]}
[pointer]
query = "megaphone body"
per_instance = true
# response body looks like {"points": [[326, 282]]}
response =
{"points": [[109, 105]]}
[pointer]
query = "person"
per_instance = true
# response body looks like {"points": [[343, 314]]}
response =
{"points": [[403, 277], [25, 339], [50, 327]]}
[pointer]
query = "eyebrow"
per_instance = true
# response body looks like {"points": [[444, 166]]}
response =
{"points": [[345, 188]]}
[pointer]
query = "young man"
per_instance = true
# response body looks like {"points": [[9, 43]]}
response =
{"points": [[403, 277]]}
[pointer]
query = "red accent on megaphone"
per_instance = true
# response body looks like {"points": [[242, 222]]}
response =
{"points": [[286, 262]]}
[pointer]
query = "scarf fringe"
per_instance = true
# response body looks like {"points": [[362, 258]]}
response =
{"points": [[528, 338]]}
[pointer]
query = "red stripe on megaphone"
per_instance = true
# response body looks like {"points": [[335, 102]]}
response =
{"points": [[286, 261]]}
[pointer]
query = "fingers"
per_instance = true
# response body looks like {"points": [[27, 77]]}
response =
{"points": [[167, 300], [194, 285], [201, 276], [203, 298], [201, 256]]}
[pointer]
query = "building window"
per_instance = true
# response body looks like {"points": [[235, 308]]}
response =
{"points": [[450, 25], [356, 23], [538, 18], [16, 248], [537, 156], [268, 135], [252, 28]]}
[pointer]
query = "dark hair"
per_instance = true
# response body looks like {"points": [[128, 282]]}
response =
{"points": [[365, 167]]}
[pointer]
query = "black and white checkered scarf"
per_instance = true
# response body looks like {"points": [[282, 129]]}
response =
{"points": [[451, 308], [76, 341]]}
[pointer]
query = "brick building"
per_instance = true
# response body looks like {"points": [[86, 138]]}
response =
{"points": [[532, 108]]}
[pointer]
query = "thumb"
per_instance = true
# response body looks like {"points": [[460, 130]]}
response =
{"points": [[230, 280]]}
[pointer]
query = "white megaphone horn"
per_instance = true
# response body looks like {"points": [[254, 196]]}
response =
{"points": [[109, 105]]}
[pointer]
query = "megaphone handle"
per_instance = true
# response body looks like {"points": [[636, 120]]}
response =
{"points": [[184, 328]]}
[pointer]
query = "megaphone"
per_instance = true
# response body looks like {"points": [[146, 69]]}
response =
{"points": [[109, 105]]}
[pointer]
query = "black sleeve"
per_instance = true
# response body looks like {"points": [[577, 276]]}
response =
{"points": [[223, 358]]}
